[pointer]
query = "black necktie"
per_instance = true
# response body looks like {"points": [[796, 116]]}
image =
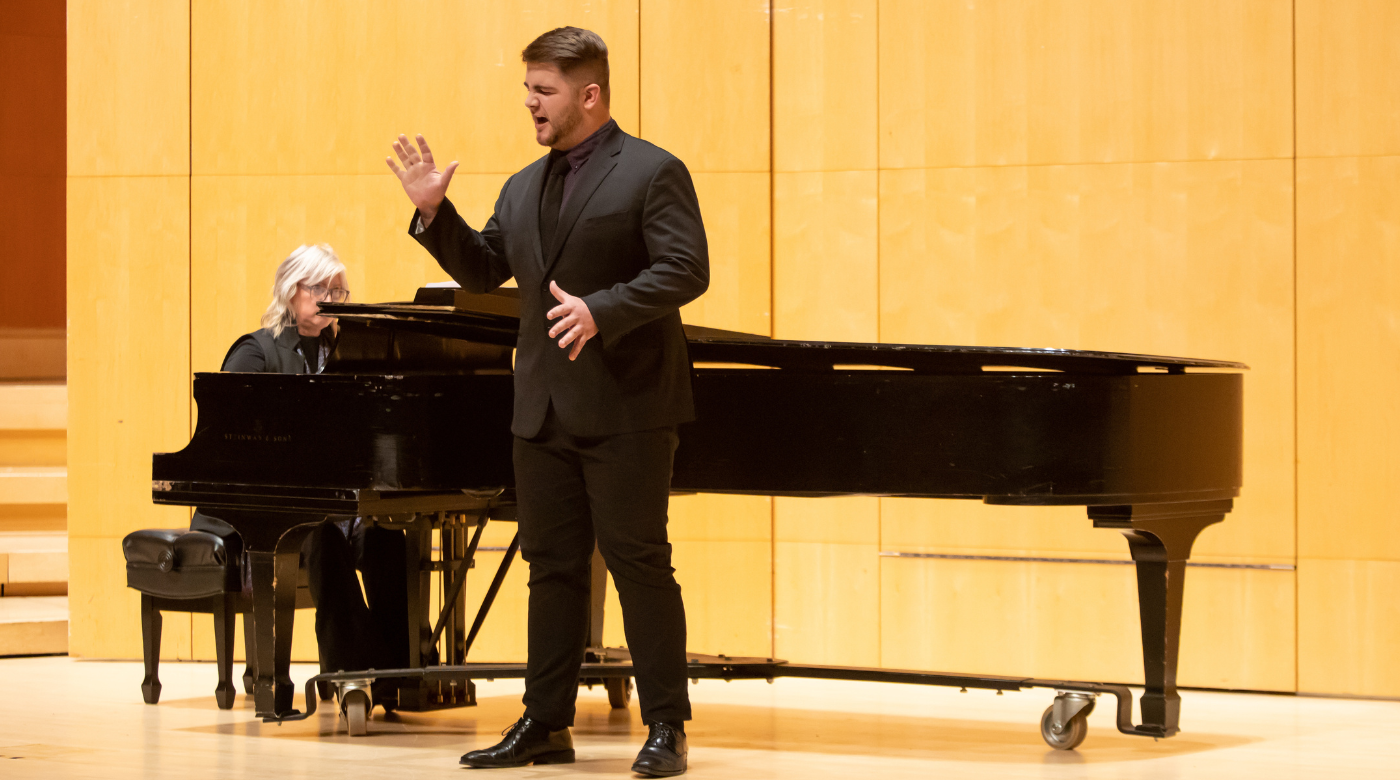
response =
{"points": [[551, 201]]}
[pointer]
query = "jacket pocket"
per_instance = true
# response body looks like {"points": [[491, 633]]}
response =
{"points": [[616, 216]]}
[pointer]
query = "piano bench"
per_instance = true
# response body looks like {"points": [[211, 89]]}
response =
{"points": [[178, 570]]}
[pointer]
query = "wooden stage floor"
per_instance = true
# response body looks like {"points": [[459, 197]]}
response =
{"points": [[65, 718]]}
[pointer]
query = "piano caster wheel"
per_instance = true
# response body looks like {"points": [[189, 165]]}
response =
{"points": [[1071, 712], [356, 706], [619, 691]]}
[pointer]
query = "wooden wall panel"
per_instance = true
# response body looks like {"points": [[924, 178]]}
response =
{"points": [[723, 555], [826, 584], [1035, 619], [824, 85], [1348, 626], [1169, 258], [1080, 621], [33, 448], [738, 226], [721, 548], [128, 366], [128, 299], [246, 225], [972, 528], [1348, 77], [1348, 335], [50, 518], [1022, 82], [826, 256], [128, 88], [325, 87], [1239, 629], [128, 391], [1348, 297], [705, 94]]}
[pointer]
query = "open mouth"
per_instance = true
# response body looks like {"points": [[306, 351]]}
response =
{"points": [[541, 121]]}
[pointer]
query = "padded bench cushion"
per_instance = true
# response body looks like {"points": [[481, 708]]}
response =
{"points": [[181, 564]]}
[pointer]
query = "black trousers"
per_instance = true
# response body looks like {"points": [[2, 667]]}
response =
{"points": [[572, 491], [355, 632]]}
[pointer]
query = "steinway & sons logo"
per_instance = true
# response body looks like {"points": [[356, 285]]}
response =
{"points": [[258, 435]]}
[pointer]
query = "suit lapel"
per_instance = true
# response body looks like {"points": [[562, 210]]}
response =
{"points": [[289, 344], [532, 208], [592, 174]]}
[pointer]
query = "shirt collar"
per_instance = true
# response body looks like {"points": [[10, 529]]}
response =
{"points": [[579, 155]]}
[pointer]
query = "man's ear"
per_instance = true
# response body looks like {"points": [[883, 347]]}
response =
{"points": [[592, 95]]}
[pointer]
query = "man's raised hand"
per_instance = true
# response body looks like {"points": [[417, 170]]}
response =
{"points": [[577, 320], [425, 185]]}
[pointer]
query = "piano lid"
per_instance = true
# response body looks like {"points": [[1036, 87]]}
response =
{"points": [[494, 318]]}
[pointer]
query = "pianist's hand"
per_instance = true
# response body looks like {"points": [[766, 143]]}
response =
{"points": [[425, 184], [578, 321]]}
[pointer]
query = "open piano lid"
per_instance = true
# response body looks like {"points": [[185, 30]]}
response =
{"points": [[494, 318]]}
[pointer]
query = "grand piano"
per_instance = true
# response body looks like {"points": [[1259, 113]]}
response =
{"points": [[409, 426]]}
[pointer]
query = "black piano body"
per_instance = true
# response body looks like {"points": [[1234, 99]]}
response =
{"points": [[411, 420]]}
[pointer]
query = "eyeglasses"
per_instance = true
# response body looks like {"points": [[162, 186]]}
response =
{"points": [[320, 292]]}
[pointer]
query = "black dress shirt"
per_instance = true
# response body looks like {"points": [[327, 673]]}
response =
{"points": [[577, 156]]}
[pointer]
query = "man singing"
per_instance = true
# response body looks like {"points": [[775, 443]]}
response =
{"points": [[604, 238]]}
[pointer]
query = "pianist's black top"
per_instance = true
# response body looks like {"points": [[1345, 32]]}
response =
{"points": [[292, 353]]}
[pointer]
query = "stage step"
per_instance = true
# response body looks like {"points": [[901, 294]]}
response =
{"points": [[33, 564], [33, 354], [33, 456], [33, 518], [34, 625], [33, 484], [33, 407]]}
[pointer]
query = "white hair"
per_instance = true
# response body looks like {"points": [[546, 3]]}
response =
{"points": [[307, 264]]}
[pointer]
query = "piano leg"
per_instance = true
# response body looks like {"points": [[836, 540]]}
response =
{"points": [[274, 577], [1160, 538]]}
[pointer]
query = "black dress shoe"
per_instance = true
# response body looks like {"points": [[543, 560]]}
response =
{"points": [[527, 742], [664, 753]]}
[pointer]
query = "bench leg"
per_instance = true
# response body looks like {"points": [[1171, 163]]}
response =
{"points": [[150, 648], [225, 611]]}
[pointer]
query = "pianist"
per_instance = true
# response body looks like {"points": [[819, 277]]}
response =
{"points": [[604, 238], [296, 339]]}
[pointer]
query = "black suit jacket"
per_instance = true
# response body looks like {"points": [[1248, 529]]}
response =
{"points": [[630, 242]]}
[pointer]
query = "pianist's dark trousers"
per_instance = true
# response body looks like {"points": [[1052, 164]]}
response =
{"points": [[572, 490], [351, 634]]}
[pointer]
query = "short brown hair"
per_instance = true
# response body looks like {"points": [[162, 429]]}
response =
{"points": [[576, 52]]}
